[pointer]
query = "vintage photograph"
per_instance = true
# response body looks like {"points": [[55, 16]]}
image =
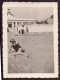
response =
{"points": [[30, 40]]}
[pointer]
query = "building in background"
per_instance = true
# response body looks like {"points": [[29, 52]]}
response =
{"points": [[13, 23], [50, 20]]}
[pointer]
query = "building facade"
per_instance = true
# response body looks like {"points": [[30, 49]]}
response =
{"points": [[13, 23]]}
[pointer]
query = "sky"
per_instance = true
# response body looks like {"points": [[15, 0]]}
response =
{"points": [[37, 13]]}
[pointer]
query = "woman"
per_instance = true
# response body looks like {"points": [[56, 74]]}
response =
{"points": [[22, 30], [16, 46]]}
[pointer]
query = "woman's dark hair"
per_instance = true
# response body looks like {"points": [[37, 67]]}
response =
{"points": [[12, 41]]}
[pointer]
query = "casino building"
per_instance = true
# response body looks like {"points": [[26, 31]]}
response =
{"points": [[13, 23]]}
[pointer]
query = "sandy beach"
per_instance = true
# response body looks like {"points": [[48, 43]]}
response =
{"points": [[38, 56]]}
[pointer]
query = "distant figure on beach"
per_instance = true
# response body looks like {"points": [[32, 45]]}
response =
{"points": [[26, 28], [22, 30], [19, 27], [16, 46]]}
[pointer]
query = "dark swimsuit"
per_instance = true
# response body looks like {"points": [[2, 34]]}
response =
{"points": [[16, 47]]}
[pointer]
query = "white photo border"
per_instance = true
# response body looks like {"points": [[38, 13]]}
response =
{"points": [[5, 5]]}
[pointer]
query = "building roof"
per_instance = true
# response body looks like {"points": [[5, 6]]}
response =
{"points": [[9, 12], [22, 20], [17, 19]]}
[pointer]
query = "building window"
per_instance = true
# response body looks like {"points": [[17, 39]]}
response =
{"points": [[30, 23], [9, 25], [25, 23], [19, 23]]}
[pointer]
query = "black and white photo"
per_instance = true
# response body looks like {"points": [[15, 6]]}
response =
{"points": [[30, 39]]}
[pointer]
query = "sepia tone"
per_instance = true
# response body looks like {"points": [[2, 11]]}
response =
{"points": [[30, 40], [36, 40]]}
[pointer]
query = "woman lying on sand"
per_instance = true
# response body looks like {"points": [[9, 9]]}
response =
{"points": [[16, 46]]}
